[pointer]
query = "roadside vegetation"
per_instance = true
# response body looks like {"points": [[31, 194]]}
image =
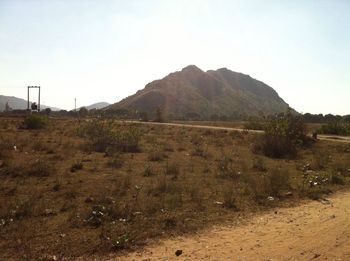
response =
{"points": [[283, 135], [335, 128], [83, 187]]}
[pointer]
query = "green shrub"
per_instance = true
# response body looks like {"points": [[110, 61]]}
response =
{"points": [[335, 128], [254, 125], [283, 134], [35, 121], [337, 179]]}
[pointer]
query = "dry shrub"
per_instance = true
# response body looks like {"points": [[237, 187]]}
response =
{"points": [[159, 186], [123, 185], [41, 168], [104, 136], [156, 154], [172, 168], [4, 147], [116, 162], [230, 196], [35, 121], [226, 168], [76, 166], [320, 161], [149, 171], [259, 164], [262, 185]]}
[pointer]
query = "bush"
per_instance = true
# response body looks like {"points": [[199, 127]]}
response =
{"points": [[337, 179], [283, 134], [335, 128], [254, 125], [116, 162], [34, 122]]}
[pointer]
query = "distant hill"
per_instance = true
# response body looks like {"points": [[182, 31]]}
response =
{"points": [[192, 93], [98, 105], [18, 103]]}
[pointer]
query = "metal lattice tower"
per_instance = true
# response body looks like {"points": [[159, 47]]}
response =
{"points": [[28, 103]]}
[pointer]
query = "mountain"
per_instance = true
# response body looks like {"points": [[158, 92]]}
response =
{"points": [[193, 93], [98, 105], [18, 103]]}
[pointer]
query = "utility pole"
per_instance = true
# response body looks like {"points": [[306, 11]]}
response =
{"points": [[75, 104]]}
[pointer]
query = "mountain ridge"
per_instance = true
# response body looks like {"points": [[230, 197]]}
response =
{"points": [[196, 93], [19, 104]]}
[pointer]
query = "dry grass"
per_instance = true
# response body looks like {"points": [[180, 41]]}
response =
{"points": [[66, 194]]}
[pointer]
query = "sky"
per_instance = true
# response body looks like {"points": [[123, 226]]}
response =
{"points": [[106, 50]]}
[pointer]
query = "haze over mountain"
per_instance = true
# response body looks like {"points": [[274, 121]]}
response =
{"points": [[18, 103], [193, 93], [98, 105]]}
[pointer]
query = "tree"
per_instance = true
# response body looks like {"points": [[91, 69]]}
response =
{"points": [[47, 111], [159, 115], [144, 116], [83, 112], [7, 107]]}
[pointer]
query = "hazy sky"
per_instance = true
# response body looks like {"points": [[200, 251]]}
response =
{"points": [[105, 50]]}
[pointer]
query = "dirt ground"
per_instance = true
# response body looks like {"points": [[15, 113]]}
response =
{"points": [[317, 230], [100, 189]]}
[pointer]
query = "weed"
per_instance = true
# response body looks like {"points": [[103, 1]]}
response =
{"points": [[230, 197], [116, 162], [172, 169], [76, 166], [259, 164], [226, 167], [40, 168], [156, 154], [148, 172], [121, 242]]}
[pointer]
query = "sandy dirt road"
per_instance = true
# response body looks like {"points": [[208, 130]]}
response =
{"points": [[312, 231], [335, 138]]}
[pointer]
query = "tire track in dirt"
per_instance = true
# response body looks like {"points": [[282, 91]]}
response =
{"points": [[312, 231], [332, 138]]}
